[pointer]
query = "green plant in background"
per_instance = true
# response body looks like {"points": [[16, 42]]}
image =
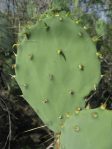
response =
{"points": [[100, 27], [6, 36], [6, 42], [60, 5], [31, 10]]}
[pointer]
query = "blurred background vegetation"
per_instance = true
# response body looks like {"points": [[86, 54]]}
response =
{"points": [[20, 127]]}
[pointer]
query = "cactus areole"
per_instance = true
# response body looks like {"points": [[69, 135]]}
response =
{"points": [[56, 68]]}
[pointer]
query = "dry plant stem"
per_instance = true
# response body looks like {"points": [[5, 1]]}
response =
{"points": [[9, 136], [57, 142]]}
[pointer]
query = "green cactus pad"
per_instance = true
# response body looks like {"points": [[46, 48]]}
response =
{"points": [[90, 129], [56, 67]]}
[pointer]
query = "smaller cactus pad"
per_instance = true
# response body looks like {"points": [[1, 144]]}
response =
{"points": [[89, 129]]}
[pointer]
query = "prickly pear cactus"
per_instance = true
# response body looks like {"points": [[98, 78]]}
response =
{"points": [[6, 36], [89, 129], [56, 67]]}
